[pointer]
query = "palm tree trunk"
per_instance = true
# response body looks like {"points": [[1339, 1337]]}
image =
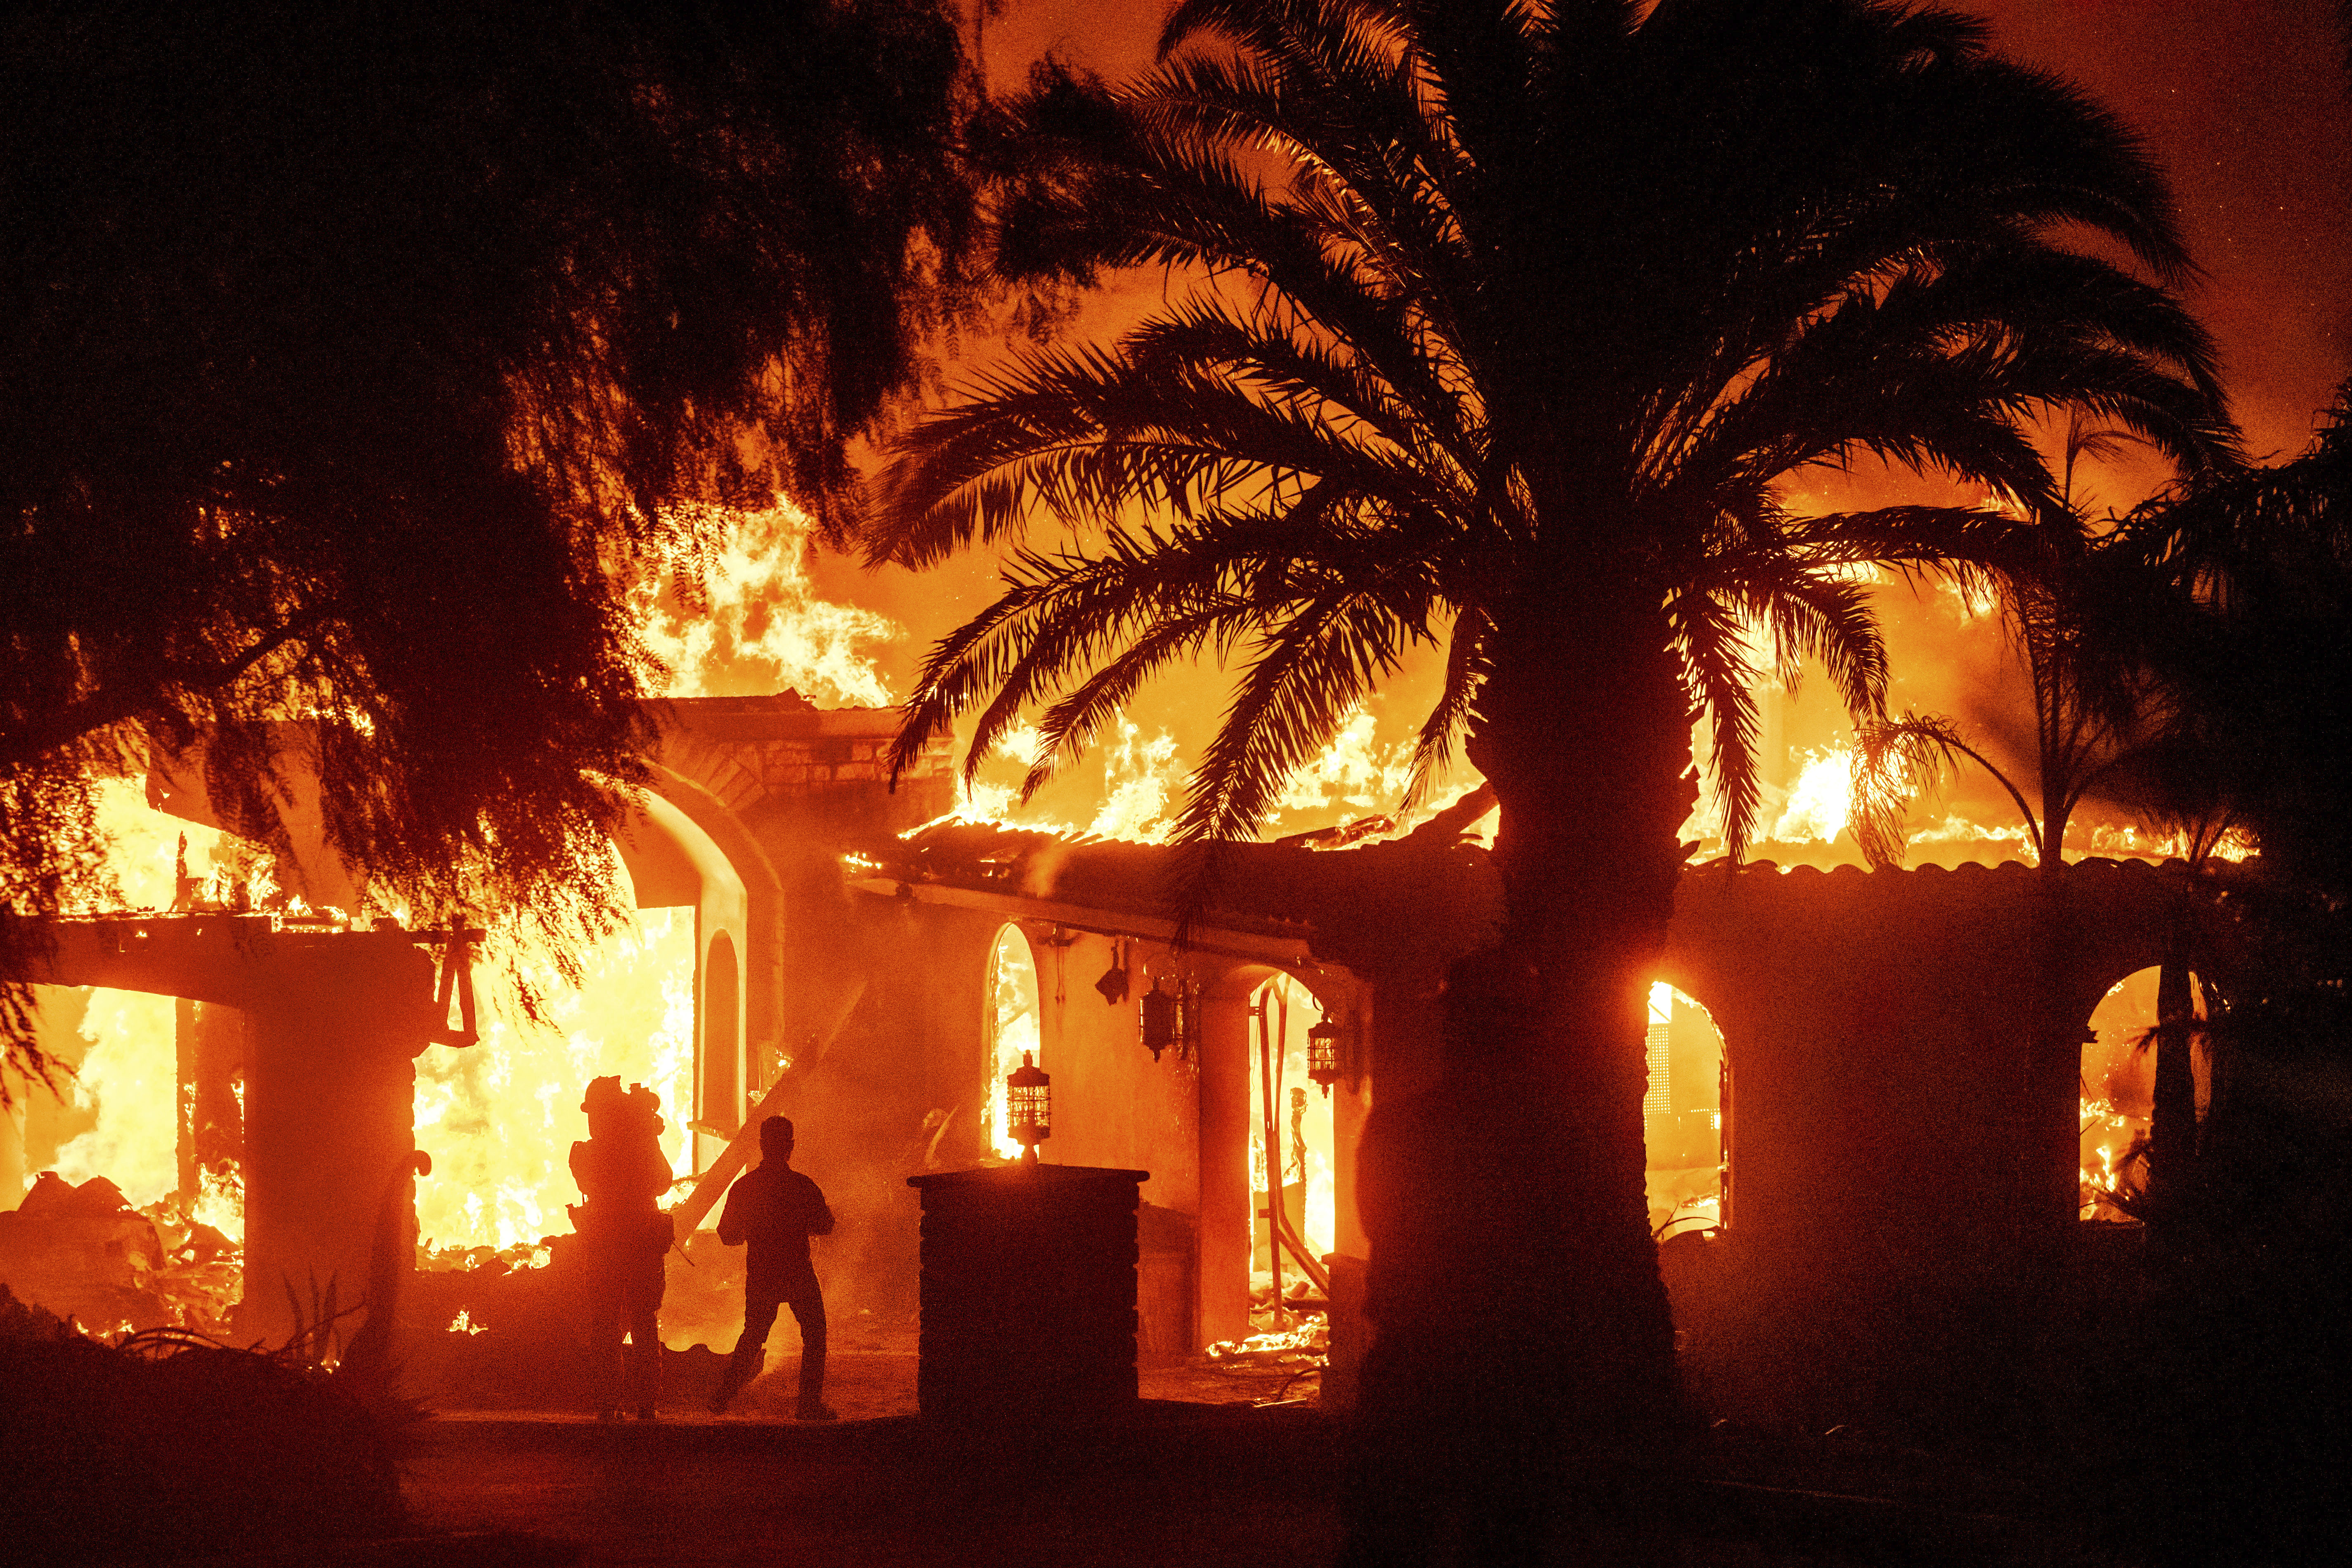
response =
{"points": [[1585, 734], [1514, 1282]]}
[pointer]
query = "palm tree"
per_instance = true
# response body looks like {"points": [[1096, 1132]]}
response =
{"points": [[1509, 320], [2083, 614], [2181, 780]]}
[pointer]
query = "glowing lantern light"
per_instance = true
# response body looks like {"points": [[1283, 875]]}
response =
{"points": [[1323, 1055], [1029, 1106]]}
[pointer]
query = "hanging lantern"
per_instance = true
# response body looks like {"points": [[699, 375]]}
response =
{"points": [[1160, 1020], [1323, 1054], [1028, 1107]]}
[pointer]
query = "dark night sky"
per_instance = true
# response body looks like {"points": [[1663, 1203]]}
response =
{"points": [[2244, 102]]}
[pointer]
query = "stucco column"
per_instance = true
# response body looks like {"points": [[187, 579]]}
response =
{"points": [[1226, 1200], [330, 1084], [328, 1102]]}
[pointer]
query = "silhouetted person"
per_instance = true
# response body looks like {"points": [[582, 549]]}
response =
{"points": [[623, 1173], [776, 1210]]}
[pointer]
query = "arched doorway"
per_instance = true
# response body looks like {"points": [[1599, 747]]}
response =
{"points": [[1683, 1115], [1281, 1013], [1012, 1031], [2118, 1092]]}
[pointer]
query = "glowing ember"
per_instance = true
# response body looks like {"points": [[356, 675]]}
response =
{"points": [[1313, 1337], [463, 1323], [220, 1198], [2108, 1135]]}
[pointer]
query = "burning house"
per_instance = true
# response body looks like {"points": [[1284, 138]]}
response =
{"points": [[1848, 1114], [1850, 1122]]}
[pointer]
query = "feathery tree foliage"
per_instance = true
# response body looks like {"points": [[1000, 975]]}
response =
{"points": [[353, 356], [2260, 567], [1510, 321]]}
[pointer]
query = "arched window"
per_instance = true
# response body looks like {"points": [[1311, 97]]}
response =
{"points": [[2120, 1090], [1683, 1115], [1011, 1018]]}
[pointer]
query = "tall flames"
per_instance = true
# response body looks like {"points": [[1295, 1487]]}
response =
{"points": [[126, 1084], [500, 1117], [748, 618], [1138, 783]]}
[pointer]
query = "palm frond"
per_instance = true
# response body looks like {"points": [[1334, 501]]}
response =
{"points": [[1897, 762], [1468, 658], [1482, 305], [1707, 635]]}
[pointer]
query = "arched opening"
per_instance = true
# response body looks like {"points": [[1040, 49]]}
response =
{"points": [[1281, 1013], [1012, 1021], [1682, 1130], [2119, 1090], [721, 1106]]}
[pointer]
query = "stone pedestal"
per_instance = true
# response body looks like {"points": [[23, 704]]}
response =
{"points": [[1028, 1293]]}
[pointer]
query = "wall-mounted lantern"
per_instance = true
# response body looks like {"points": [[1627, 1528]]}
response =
{"points": [[1162, 1026], [1028, 1107], [1323, 1054]]}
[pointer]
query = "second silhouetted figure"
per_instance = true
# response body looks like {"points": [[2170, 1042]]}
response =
{"points": [[777, 1209]]}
